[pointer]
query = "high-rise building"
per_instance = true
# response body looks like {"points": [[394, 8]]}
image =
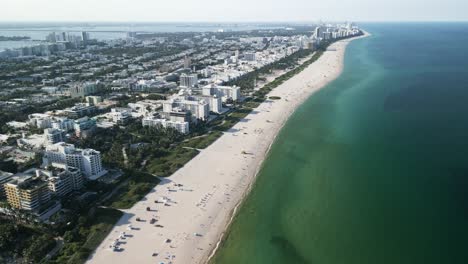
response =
{"points": [[131, 34], [51, 37], [198, 108], [188, 81], [224, 92], [215, 103], [85, 37], [92, 164], [27, 193], [88, 161], [187, 62], [319, 31], [61, 180]]}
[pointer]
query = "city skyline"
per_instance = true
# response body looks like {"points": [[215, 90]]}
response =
{"points": [[243, 10]]}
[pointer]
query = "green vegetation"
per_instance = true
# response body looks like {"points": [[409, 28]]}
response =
{"points": [[21, 114], [86, 236], [246, 82], [155, 97], [203, 141], [167, 165], [280, 80], [141, 144], [20, 241], [226, 122], [132, 190]]}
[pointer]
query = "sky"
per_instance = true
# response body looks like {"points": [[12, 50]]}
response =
{"points": [[233, 11]]}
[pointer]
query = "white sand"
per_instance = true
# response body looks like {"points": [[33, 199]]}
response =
{"points": [[215, 181]]}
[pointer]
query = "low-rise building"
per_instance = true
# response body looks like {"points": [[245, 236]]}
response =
{"points": [[53, 135], [40, 121], [177, 115], [145, 106], [80, 110], [249, 56], [63, 123], [121, 116], [93, 100], [84, 127], [182, 127]]}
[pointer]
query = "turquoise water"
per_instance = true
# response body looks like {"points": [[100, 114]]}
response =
{"points": [[374, 167]]}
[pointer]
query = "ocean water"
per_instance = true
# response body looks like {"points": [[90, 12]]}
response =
{"points": [[374, 167]]}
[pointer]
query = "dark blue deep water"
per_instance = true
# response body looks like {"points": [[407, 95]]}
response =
{"points": [[374, 167]]}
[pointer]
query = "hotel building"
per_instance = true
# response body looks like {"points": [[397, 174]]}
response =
{"points": [[88, 161]]}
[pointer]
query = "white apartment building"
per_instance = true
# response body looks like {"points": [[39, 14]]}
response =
{"points": [[249, 56], [41, 121], [84, 127], [88, 161], [93, 100], [80, 110], [198, 108], [145, 106], [92, 164], [182, 127], [62, 181], [53, 135], [224, 92], [120, 116], [188, 81], [215, 103], [63, 123], [84, 89]]}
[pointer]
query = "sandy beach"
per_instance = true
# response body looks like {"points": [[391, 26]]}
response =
{"points": [[195, 205]]}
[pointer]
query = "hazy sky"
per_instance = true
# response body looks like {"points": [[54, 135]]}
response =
{"points": [[234, 10]]}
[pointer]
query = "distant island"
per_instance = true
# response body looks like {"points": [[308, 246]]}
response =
{"points": [[14, 38]]}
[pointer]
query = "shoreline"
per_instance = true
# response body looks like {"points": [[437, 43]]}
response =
{"points": [[219, 178], [251, 185], [233, 213]]}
